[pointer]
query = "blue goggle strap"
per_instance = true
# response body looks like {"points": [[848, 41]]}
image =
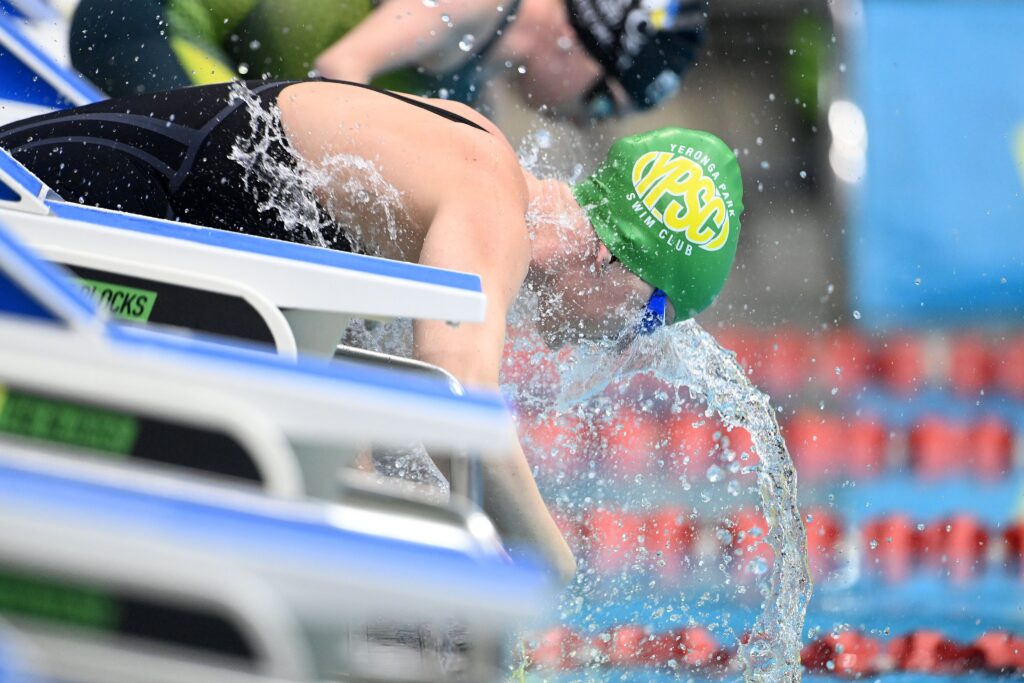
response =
{"points": [[654, 313]]}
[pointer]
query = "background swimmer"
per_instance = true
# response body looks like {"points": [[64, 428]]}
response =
{"points": [[577, 59]]}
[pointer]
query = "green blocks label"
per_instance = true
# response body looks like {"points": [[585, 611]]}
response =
{"points": [[123, 302], [53, 601], [55, 421]]}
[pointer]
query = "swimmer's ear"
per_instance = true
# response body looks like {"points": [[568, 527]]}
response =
{"points": [[604, 257]]}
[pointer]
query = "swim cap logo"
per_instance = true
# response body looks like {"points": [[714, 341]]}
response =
{"points": [[676, 191]]}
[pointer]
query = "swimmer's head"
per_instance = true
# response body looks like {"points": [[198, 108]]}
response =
{"points": [[667, 205], [582, 291], [643, 47]]}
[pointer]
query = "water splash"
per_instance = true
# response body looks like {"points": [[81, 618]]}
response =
{"points": [[687, 355], [362, 207], [282, 186]]}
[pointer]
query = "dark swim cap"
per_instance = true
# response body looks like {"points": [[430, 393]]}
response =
{"points": [[667, 203], [644, 44]]}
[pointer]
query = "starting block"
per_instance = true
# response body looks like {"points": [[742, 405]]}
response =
{"points": [[110, 573], [73, 378], [293, 296]]}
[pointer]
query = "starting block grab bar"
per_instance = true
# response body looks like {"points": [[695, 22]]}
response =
{"points": [[291, 295], [110, 570]]}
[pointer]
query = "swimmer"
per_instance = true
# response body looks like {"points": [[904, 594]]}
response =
{"points": [[648, 239], [578, 59]]}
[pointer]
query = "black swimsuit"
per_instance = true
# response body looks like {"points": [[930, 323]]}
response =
{"points": [[167, 155]]}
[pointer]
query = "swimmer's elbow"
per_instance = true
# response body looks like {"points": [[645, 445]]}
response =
{"points": [[564, 565]]}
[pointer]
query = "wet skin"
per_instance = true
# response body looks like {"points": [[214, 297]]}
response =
{"points": [[466, 202], [556, 70]]}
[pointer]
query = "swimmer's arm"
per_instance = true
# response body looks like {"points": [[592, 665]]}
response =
{"points": [[401, 33], [478, 241]]}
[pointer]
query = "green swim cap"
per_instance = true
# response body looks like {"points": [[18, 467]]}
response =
{"points": [[667, 203]]}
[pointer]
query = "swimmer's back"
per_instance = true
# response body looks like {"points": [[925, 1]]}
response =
{"points": [[170, 154], [436, 154]]}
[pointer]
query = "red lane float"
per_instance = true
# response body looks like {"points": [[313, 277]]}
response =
{"points": [[1013, 545], [842, 360], [670, 537], [824, 538], [848, 653], [782, 366], [1010, 372], [991, 449], [631, 441], [889, 547], [931, 652], [823, 446], [971, 365], [867, 445], [669, 541], [852, 654], [900, 363], [957, 545], [816, 442], [938, 447], [616, 538]]}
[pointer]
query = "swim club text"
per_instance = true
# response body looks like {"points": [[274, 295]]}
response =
{"points": [[685, 179]]}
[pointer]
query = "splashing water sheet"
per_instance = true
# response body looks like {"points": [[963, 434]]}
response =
{"points": [[686, 355], [689, 362]]}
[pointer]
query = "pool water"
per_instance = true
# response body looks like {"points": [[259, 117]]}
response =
{"points": [[910, 488]]}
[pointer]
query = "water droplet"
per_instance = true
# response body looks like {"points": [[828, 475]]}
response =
{"points": [[243, 68], [803, 174], [467, 42], [856, 314], [917, 281], [734, 488], [873, 544], [254, 45], [521, 69], [543, 138], [765, 165], [758, 566], [759, 141], [564, 43], [715, 474], [430, 3]]}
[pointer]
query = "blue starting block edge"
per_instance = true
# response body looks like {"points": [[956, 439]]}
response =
{"points": [[26, 62], [37, 289], [299, 534], [264, 246], [33, 187], [32, 287], [33, 10], [29, 184]]}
